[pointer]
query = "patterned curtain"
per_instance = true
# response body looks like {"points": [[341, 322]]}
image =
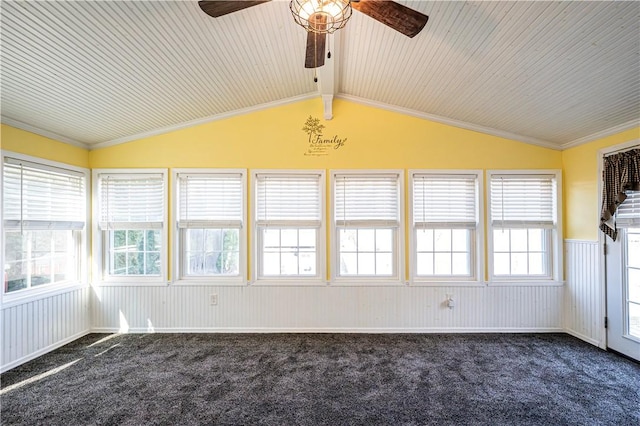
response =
{"points": [[621, 173]]}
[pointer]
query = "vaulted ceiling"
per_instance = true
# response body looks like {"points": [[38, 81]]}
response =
{"points": [[95, 73]]}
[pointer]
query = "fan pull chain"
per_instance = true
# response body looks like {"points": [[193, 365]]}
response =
{"points": [[329, 47]]}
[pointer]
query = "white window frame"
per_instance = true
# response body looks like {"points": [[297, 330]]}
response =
{"points": [[100, 237], [399, 242], [555, 257], [476, 276], [178, 234], [257, 258], [80, 238]]}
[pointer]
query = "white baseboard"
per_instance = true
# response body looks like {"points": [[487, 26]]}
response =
{"points": [[40, 352], [594, 342], [246, 330]]}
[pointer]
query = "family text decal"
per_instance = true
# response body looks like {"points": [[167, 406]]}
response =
{"points": [[318, 144]]}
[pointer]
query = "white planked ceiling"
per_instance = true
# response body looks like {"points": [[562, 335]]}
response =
{"points": [[96, 73]]}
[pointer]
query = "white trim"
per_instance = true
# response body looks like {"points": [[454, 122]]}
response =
{"points": [[84, 252], [321, 246], [582, 337], [176, 261], [477, 277], [41, 132], [33, 355], [603, 341], [452, 122], [347, 330], [601, 134], [22, 297], [205, 120], [557, 241], [400, 263], [98, 251]]}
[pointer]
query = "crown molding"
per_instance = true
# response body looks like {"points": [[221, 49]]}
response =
{"points": [[45, 133], [603, 134], [205, 120], [451, 122]]}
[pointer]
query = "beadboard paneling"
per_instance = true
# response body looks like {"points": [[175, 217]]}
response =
{"points": [[36, 327], [583, 297], [327, 309]]}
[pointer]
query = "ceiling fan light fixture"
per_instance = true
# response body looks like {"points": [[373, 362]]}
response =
{"points": [[321, 16]]}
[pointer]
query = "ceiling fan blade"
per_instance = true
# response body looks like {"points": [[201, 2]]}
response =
{"points": [[218, 8], [316, 43], [401, 18]]}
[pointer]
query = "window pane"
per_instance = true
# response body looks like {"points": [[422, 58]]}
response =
{"points": [[384, 264], [501, 264], [307, 239], [138, 256], [442, 241], [366, 264], [289, 263], [634, 284], [271, 263], [119, 264], [289, 238], [501, 239], [460, 240], [348, 264], [366, 240], [443, 263], [633, 247], [212, 240], [230, 263], [634, 320], [460, 264], [425, 264], [536, 240], [152, 263], [424, 240], [348, 240], [536, 264], [384, 240], [271, 238], [519, 263], [519, 240], [307, 263]]}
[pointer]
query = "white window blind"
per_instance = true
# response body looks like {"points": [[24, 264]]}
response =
{"points": [[523, 200], [281, 199], [210, 200], [38, 196], [370, 199], [628, 213], [131, 201], [444, 200]]}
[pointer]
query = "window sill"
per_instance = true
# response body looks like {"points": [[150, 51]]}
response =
{"points": [[33, 294], [209, 282], [445, 283], [525, 283]]}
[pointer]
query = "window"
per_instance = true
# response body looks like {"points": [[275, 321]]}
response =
{"points": [[131, 215], [210, 218], [288, 214], [366, 218], [44, 218], [525, 236], [446, 242], [628, 220]]}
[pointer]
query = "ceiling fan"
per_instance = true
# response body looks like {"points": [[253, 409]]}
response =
{"points": [[322, 17]]}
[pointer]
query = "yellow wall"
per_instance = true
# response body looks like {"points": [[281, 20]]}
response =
{"points": [[20, 141], [375, 138], [580, 167]]}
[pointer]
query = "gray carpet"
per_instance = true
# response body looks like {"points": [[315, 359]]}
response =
{"points": [[324, 379]]}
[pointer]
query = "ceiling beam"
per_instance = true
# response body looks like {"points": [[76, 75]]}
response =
{"points": [[328, 75]]}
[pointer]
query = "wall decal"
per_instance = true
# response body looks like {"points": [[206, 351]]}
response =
{"points": [[318, 144]]}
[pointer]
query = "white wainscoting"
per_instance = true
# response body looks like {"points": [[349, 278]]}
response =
{"points": [[327, 309], [38, 326], [584, 292]]}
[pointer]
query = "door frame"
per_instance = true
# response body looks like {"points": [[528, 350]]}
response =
{"points": [[602, 271]]}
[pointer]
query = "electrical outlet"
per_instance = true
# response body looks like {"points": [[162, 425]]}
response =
{"points": [[213, 299]]}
